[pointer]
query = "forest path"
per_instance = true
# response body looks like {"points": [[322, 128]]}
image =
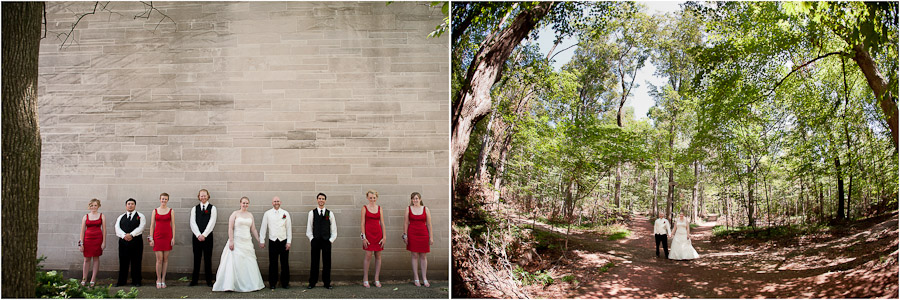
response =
{"points": [[858, 261]]}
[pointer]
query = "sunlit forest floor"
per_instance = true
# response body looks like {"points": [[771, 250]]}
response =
{"points": [[855, 260]]}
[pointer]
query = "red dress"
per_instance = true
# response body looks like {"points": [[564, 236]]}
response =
{"points": [[417, 234], [162, 235], [373, 230], [93, 236]]}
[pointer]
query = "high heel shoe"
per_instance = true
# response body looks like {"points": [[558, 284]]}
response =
{"points": [[82, 282], [425, 282], [158, 285], [416, 282], [377, 284], [366, 284], [92, 284]]}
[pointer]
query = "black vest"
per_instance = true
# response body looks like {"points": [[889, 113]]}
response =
{"points": [[321, 225], [202, 218], [129, 225]]}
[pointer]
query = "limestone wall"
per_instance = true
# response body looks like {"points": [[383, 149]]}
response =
{"points": [[252, 99]]}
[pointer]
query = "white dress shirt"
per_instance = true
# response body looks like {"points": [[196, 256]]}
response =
{"points": [[278, 222], [309, 224], [661, 226], [137, 231], [209, 226]]}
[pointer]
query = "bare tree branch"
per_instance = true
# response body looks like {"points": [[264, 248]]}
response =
{"points": [[802, 66], [150, 9], [103, 7], [72, 30]]}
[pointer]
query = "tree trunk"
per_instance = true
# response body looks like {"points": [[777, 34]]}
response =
{"points": [[501, 162], [751, 220], [618, 184], [474, 99], [483, 154], [21, 146], [840, 188], [880, 87], [670, 202], [821, 202], [695, 205], [768, 203], [655, 188]]}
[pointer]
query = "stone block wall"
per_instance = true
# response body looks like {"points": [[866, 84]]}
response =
{"points": [[255, 99]]}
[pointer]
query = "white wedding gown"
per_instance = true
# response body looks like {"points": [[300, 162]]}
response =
{"points": [[238, 270], [681, 246]]}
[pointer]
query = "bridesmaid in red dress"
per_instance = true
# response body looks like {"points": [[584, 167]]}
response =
{"points": [[417, 235], [162, 237], [93, 240], [373, 235]]}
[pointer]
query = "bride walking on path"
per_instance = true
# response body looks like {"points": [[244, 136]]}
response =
{"points": [[238, 270], [681, 244]]}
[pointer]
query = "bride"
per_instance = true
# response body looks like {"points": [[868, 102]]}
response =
{"points": [[681, 244], [238, 270]]}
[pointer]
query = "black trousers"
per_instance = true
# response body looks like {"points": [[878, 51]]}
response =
{"points": [[202, 250], [130, 254], [277, 252], [664, 239], [319, 247]]}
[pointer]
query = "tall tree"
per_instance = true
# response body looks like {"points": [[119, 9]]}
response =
{"points": [[21, 145], [473, 100]]}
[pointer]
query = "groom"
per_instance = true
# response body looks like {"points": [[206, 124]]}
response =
{"points": [[203, 220], [278, 223], [661, 231]]}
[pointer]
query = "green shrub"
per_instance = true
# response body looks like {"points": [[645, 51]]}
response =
{"points": [[569, 278], [606, 267], [619, 235], [615, 232], [528, 278], [51, 284]]}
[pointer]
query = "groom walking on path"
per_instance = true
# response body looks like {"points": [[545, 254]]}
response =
{"points": [[662, 230]]}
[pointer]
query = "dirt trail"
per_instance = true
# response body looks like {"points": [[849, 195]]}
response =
{"points": [[860, 262]]}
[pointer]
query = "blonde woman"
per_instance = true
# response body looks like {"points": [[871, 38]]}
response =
{"points": [[417, 236], [238, 269], [372, 227], [93, 240], [681, 244], [162, 237]]}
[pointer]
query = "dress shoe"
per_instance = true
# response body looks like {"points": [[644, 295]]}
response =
{"points": [[329, 287], [309, 287], [193, 283], [136, 284], [272, 287], [209, 283], [285, 286]]}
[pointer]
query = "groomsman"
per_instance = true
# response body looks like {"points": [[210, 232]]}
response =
{"points": [[203, 220], [278, 223], [129, 227], [661, 231], [321, 229]]}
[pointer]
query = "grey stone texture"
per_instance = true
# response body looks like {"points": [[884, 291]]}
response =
{"points": [[255, 99]]}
